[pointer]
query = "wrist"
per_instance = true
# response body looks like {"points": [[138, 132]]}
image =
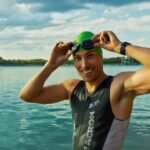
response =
{"points": [[51, 66], [123, 47], [117, 48]]}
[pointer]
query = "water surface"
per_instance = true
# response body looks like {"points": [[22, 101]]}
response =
{"points": [[25, 126]]}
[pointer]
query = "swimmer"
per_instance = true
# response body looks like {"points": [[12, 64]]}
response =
{"points": [[101, 104]]}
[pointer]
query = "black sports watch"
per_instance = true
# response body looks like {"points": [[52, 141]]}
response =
{"points": [[123, 48]]}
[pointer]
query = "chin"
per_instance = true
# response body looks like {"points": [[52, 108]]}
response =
{"points": [[88, 79]]}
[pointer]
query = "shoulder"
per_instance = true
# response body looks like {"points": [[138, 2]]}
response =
{"points": [[70, 84], [121, 102], [117, 86], [120, 78]]}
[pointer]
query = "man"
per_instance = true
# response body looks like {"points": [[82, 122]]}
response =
{"points": [[101, 104]]}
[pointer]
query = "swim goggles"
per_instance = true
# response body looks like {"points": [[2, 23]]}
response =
{"points": [[86, 44]]}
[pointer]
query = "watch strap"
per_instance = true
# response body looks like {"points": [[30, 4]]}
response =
{"points": [[123, 48]]}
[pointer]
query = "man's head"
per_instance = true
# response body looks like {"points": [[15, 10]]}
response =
{"points": [[87, 58], [83, 42]]}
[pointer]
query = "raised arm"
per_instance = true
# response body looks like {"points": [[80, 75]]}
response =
{"points": [[35, 92], [139, 81]]}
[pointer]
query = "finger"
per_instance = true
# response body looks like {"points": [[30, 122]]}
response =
{"points": [[58, 43], [68, 54], [99, 40], [105, 37], [66, 45], [96, 40], [69, 45], [104, 40], [100, 37], [96, 36], [99, 44]]}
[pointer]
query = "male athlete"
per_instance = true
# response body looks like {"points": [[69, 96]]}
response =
{"points": [[101, 104]]}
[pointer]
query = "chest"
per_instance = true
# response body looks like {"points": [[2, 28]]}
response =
{"points": [[91, 109]]}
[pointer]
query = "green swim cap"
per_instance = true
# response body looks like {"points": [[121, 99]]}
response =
{"points": [[87, 35]]}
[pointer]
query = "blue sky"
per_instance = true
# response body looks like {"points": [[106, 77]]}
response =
{"points": [[30, 28]]}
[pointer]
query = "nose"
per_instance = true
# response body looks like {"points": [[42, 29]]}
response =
{"points": [[84, 63]]}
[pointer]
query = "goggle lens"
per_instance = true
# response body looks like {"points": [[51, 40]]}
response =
{"points": [[86, 44]]}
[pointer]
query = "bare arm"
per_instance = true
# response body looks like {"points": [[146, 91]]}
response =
{"points": [[138, 82], [34, 90]]}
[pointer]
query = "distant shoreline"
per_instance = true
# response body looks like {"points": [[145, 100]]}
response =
{"points": [[41, 62]]}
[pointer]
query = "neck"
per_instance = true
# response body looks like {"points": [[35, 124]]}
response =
{"points": [[91, 86]]}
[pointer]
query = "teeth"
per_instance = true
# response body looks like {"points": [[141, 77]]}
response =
{"points": [[87, 71]]}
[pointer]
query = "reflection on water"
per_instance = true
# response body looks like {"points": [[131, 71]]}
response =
{"points": [[49, 127]]}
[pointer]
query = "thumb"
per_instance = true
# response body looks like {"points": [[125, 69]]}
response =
{"points": [[68, 54], [99, 44]]}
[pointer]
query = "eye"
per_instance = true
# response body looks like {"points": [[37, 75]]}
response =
{"points": [[77, 58], [90, 56]]}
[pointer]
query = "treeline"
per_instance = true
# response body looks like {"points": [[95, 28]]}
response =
{"points": [[120, 61], [37, 62], [21, 62]]}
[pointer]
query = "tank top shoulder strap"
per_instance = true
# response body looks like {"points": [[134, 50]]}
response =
{"points": [[78, 87], [108, 81], [105, 83]]}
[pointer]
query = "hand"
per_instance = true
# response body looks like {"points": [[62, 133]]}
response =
{"points": [[60, 53], [107, 40]]}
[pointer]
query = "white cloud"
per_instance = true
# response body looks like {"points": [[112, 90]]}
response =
{"points": [[24, 7], [140, 23], [144, 6], [124, 21]]}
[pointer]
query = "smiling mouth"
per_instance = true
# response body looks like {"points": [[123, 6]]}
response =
{"points": [[87, 71]]}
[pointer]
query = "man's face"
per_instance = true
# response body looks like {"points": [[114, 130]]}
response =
{"points": [[88, 65]]}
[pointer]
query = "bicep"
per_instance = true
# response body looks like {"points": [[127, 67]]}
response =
{"points": [[138, 82], [51, 94]]}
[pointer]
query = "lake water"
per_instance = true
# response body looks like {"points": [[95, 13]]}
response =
{"points": [[25, 126]]}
